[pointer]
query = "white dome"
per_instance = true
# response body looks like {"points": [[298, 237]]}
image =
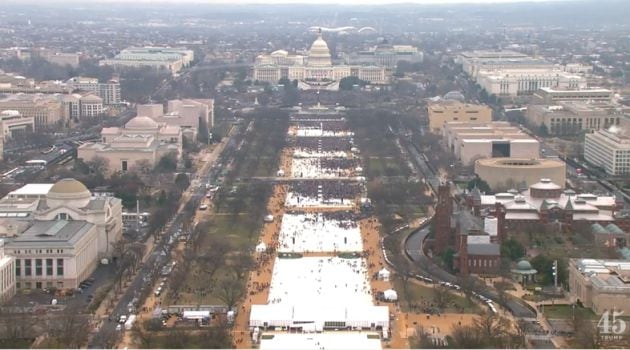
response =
{"points": [[141, 122], [319, 55]]}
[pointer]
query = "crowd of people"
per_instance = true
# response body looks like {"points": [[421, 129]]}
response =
{"points": [[317, 232], [314, 274], [326, 189], [318, 168], [323, 144], [315, 117], [320, 281], [326, 125]]}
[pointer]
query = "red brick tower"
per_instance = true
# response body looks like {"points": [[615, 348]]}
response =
{"points": [[443, 212]]}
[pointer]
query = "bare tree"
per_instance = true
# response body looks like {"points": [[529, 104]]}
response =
{"points": [[421, 339], [213, 260], [442, 296], [586, 334], [68, 330], [230, 291], [241, 263]]}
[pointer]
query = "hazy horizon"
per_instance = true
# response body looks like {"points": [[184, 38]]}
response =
{"points": [[313, 2]]}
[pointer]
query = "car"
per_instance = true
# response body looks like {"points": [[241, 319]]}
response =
{"points": [[122, 319], [118, 327], [203, 207]]}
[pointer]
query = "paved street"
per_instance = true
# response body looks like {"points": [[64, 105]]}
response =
{"points": [[158, 259]]}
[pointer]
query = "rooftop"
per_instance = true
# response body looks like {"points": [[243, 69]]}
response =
{"points": [[31, 190], [53, 233]]}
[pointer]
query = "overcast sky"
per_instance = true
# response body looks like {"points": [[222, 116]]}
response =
{"points": [[340, 2]]}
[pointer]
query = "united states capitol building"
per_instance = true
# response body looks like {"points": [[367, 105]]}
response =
{"points": [[315, 70]]}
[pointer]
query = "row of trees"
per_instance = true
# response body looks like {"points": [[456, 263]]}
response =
{"points": [[489, 331], [60, 329]]}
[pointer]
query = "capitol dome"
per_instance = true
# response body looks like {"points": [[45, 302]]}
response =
{"points": [[68, 192], [141, 122], [319, 54]]}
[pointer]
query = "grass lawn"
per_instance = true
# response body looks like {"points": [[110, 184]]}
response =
{"points": [[233, 229], [566, 312], [419, 293], [385, 166]]}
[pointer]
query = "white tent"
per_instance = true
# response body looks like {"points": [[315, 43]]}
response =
{"points": [[280, 173], [261, 248], [268, 218], [384, 274], [196, 315], [358, 169], [390, 295]]}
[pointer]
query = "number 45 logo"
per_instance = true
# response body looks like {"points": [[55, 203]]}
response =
{"points": [[612, 325]]}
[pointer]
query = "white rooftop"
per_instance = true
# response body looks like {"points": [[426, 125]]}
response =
{"points": [[31, 190], [321, 341]]}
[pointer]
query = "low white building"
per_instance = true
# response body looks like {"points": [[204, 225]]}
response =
{"points": [[472, 141], [142, 140], [609, 150], [109, 92], [171, 59], [68, 199], [7, 275], [54, 253], [13, 123], [516, 82], [83, 105], [188, 114]]}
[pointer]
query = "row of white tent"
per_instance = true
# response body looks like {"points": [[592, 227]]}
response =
{"points": [[316, 316]]}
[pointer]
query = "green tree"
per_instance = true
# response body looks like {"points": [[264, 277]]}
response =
{"points": [[182, 182], [167, 163], [544, 265], [481, 185], [348, 83], [512, 249], [447, 258], [203, 134]]}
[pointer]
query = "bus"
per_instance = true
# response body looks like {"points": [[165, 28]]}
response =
{"points": [[36, 162]]}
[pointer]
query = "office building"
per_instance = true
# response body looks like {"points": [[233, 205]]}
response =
{"points": [[109, 92], [574, 117], [551, 96], [517, 82], [472, 141], [47, 111], [171, 59], [609, 149], [7, 275], [602, 285], [384, 55], [442, 112], [12, 123], [60, 58], [187, 114], [83, 105], [474, 61], [141, 143]]}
